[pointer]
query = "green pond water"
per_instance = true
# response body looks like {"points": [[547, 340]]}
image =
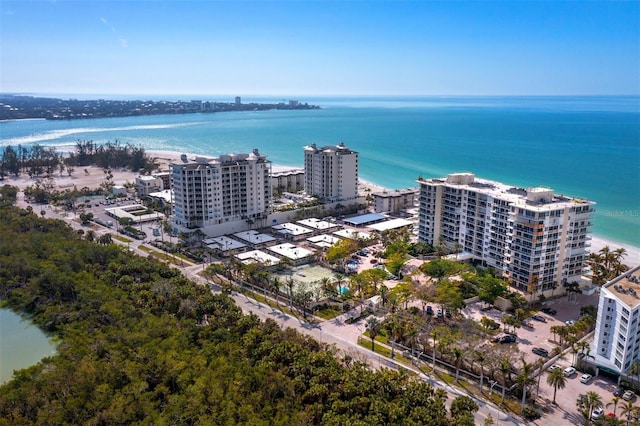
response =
{"points": [[22, 344]]}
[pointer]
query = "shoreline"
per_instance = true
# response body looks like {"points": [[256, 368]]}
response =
{"points": [[597, 242], [94, 176]]}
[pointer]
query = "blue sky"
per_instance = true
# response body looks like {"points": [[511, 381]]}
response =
{"points": [[320, 47]]}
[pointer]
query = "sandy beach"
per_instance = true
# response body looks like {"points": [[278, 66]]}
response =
{"points": [[92, 177]]}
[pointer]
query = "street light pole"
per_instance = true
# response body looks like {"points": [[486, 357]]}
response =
{"points": [[492, 383]]}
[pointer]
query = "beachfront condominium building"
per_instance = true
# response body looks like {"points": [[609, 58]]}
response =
{"points": [[616, 340], [393, 201], [212, 191], [331, 172], [538, 239]]}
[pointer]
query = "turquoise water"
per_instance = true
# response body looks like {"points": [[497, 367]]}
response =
{"points": [[21, 344], [580, 146]]}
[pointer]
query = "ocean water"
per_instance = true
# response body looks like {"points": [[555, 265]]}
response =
{"points": [[580, 146]]}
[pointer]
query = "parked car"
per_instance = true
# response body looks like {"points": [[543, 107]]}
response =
{"points": [[570, 322], [439, 314], [509, 338], [549, 311], [540, 352], [618, 391], [585, 378], [569, 371], [539, 318], [447, 314], [555, 367], [597, 413], [628, 395], [494, 326], [429, 310]]}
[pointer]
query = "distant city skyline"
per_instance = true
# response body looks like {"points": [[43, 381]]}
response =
{"points": [[323, 48]]}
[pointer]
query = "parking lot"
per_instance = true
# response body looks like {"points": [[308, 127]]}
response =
{"points": [[539, 335]]}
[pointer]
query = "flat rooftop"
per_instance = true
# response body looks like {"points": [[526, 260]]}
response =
{"points": [[291, 229], [626, 287], [352, 234], [390, 224], [133, 213], [395, 192], [291, 251], [257, 256], [534, 198], [223, 243], [365, 219], [317, 224], [254, 237], [324, 240]]}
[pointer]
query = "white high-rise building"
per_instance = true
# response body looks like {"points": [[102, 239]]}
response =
{"points": [[212, 191], [538, 239], [331, 172], [616, 340]]}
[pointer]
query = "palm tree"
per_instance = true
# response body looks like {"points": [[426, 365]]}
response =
{"points": [[480, 357], [327, 286], [628, 410], [558, 380], [524, 380], [434, 336], [384, 294], [588, 402], [290, 284], [614, 402], [504, 365], [634, 370], [457, 356], [373, 327], [274, 287]]}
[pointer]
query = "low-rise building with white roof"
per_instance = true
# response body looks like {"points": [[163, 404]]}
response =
{"points": [[258, 256], [352, 234], [137, 213], [317, 224], [224, 245], [291, 231], [297, 255], [323, 241], [255, 238], [391, 224]]}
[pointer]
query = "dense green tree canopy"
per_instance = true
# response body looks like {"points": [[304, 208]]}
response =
{"points": [[140, 344]]}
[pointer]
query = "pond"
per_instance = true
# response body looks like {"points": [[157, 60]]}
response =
{"points": [[22, 344]]}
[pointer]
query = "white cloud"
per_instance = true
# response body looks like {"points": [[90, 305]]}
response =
{"points": [[123, 41]]}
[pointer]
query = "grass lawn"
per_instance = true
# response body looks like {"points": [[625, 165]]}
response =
{"points": [[122, 239]]}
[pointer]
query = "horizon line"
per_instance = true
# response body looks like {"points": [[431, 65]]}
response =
{"points": [[377, 95]]}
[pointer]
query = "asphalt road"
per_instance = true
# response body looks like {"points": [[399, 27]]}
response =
{"points": [[345, 343]]}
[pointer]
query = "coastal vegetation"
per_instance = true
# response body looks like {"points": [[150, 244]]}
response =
{"points": [[607, 264], [28, 107], [139, 343], [44, 162]]}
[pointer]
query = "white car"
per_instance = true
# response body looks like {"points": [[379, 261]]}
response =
{"points": [[569, 371], [585, 378], [555, 367], [597, 413]]}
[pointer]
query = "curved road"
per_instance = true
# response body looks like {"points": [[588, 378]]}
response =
{"points": [[343, 340]]}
